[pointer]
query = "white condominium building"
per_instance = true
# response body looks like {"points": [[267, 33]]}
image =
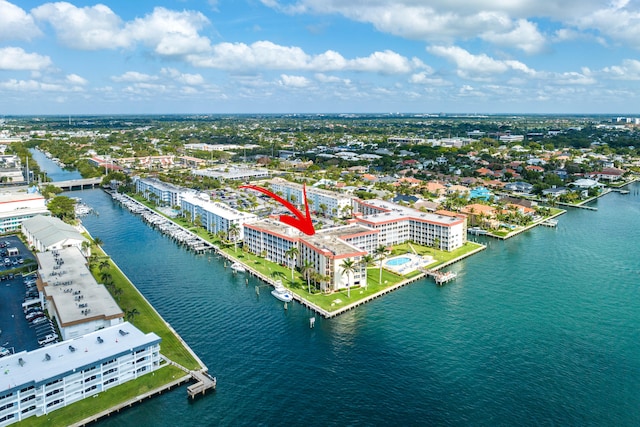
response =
{"points": [[329, 252], [398, 224], [216, 216], [73, 298], [19, 204], [163, 193], [272, 239], [326, 250], [49, 378], [319, 200]]}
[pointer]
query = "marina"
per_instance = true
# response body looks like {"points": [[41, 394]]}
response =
{"points": [[180, 234]]}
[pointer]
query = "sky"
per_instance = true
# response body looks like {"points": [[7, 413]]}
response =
{"points": [[319, 56]]}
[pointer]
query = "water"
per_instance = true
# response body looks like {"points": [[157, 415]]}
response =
{"points": [[398, 261], [541, 329], [55, 172]]}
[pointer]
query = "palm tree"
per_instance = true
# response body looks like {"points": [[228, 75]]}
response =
{"points": [[117, 292], [234, 230], [367, 261], [86, 246], [307, 271], [380, 254], [278, 275], [130, 314], [348, 266], [97, 241], [291, 253], [105, 276], [104, 264]]}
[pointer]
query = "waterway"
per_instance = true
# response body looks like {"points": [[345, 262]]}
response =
{"points": [[541, 329]]}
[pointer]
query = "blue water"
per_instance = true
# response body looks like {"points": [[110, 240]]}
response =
{"points": [[55, 172], [398, 261], [542, 329]]}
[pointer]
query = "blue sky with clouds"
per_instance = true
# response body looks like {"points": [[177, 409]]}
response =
{"points": [[325, 56]]}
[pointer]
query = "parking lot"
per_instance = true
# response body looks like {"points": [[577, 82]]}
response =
{"points": [[16, 332]]}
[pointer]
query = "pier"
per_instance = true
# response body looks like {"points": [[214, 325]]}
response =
{"points": [[440, 277], [204, 382], [180, 234]]}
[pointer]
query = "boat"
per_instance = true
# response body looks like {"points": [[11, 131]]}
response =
{"points": [[238, 267], [477, 231], [282, 293]]}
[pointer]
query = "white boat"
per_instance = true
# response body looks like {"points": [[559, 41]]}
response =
{"points": [[282, 293], [477, 231], [238, 268]]}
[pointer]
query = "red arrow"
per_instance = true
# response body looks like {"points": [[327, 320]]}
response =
{"points": [[300, 221]]}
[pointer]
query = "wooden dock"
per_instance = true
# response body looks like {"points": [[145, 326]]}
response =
{"points": [[204, 382], [440, 277]]}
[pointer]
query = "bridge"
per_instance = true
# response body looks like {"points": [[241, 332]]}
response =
{"points": [[77, 184]]}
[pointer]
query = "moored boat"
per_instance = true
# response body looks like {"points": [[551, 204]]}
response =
{"points": [[238, 267], [282, 293]]}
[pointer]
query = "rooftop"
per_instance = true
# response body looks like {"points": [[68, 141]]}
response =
{"points": [[50, 230], [58, 360], [273, 226], [69, 284], [392, 212]]}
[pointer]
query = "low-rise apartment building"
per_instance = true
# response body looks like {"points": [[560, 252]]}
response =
{"points": [[215, 216], [38, 382], [399, 224]]}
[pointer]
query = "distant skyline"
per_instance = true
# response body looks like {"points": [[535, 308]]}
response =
{"points": [[319, 56]]}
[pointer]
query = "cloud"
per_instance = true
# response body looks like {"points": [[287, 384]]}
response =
{"points": [[268, 55], [425, 78], [324, 78], [15, 23], [166, 32], [34, 86], [294, 81], [620, 21], [87, 28], [629, 70], [170, 33], [184, 78], [512, 24], [76, 80], [133, 77], [470, 65], [15, 58], [525, 36]]}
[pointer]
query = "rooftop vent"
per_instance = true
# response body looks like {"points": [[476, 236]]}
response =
{"points": [[72, 348], [123, 333], [47, 357], [100, 340], [21, 361]]}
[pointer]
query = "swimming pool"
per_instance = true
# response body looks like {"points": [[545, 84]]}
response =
{"points": [[398, 261]]}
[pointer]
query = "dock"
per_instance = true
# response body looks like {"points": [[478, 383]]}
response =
{"points": [[550, 223], [204, 382], [440, 277], [178, 233]]}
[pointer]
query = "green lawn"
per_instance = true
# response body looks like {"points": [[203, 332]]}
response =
{"points": [[147, 320], [341, 298], [107, 399]]}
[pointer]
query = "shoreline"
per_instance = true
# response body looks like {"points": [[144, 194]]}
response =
{"points": [[190, 375]]}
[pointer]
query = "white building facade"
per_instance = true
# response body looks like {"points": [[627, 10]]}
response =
{"points": [[43, 380], [319, 200], [163, 193], [215, 216], [18, 205], [399, 224]]}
